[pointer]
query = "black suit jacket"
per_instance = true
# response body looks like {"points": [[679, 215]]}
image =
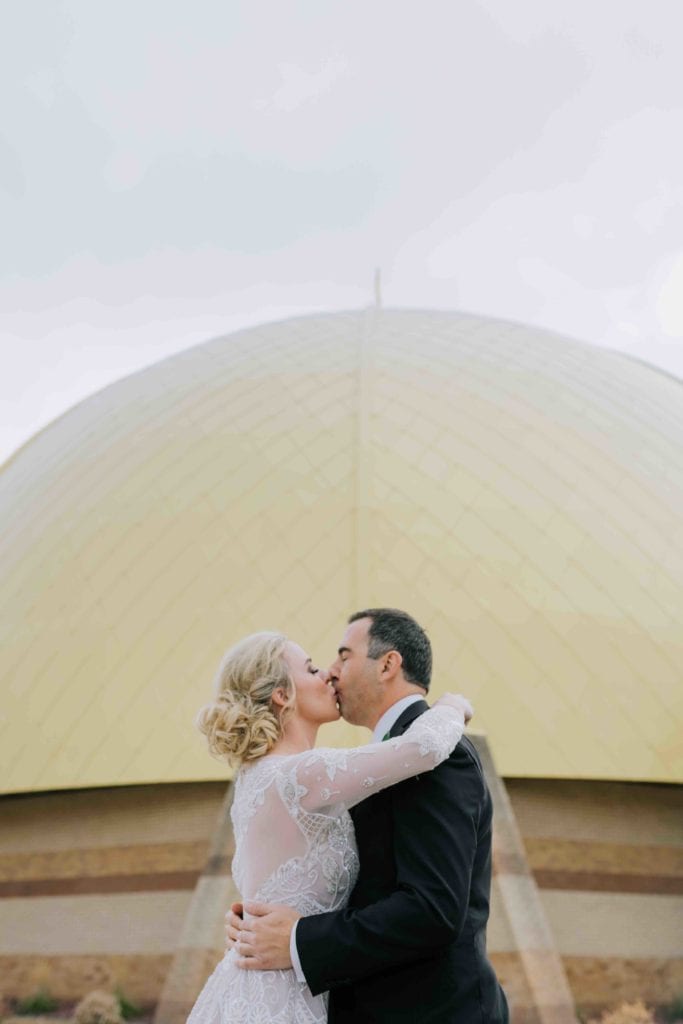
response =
{"points": [[411, 946]]}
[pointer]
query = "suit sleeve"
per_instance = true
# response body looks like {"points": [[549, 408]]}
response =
{"points": [[436, 821]]}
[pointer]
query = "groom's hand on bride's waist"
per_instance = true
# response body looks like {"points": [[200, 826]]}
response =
{"points": [[262, 940]]}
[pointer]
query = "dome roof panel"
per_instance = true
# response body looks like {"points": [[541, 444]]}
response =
{"points": [[520, 493]]}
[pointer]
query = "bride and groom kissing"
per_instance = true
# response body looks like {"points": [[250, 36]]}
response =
{"points": [[365, 873]]}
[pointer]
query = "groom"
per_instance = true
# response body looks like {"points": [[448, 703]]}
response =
{"points": [[410, 948]]}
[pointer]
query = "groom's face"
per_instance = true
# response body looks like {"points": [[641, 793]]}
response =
{"points": [[356, 676]]}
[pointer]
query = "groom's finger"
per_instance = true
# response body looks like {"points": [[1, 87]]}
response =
{"points": [[250, 963], [233, 921], [233, 926], [245, 938], [257, 909]]}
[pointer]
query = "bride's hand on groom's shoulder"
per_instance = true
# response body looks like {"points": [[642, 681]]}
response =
{"points": [[456, 700]]}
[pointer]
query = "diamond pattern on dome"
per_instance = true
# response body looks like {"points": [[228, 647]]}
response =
{"points": [[520, 493]]}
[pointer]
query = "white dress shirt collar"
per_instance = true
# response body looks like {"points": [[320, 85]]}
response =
{"points": [[392, 715]]}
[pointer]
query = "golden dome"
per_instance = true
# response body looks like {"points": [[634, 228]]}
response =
{"points": [[520, 493]]}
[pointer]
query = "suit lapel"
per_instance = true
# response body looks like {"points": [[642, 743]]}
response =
{"points": [[405, 719]]}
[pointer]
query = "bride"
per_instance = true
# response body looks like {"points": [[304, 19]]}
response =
{"points": [[294, 839]]}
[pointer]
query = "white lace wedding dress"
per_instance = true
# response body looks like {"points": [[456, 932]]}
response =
{"points": [[295, 845]]}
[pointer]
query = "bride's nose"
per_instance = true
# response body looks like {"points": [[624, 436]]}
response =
{"points": [[324, 675]]}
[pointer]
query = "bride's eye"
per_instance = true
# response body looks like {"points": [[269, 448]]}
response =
{"points": [[313, 671]]}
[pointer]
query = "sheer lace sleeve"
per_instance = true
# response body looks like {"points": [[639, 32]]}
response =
{"points": [[325, 778]]}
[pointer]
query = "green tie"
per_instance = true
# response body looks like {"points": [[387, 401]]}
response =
{"points": [[387, 736]]}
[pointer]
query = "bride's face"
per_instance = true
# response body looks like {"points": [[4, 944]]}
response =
{"points": [[316, 700]]}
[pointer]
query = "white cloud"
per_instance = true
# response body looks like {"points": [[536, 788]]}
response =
{"points": [[299, 86], [171, 172]]}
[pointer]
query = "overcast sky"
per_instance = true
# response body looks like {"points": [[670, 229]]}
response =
{"points": [[171, 171]]}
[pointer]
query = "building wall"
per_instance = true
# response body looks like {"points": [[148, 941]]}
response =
{"points": [[608, 859], [94, 886]]}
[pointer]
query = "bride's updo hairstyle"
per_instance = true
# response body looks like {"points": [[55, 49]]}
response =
{"points": [[241, 723]]}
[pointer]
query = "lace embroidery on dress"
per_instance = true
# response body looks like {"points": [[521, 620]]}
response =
{"points": [[295, 844]]}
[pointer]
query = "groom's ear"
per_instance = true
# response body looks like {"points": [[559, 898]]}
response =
{"points": [[390, 665]]}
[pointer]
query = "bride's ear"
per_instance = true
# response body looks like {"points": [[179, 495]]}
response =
{"points": [[279, 697]]}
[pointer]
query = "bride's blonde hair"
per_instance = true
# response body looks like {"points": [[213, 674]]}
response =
{"points": [[241, 723]]}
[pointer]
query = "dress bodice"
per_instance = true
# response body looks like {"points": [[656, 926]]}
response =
{"points": [[322, 865]]}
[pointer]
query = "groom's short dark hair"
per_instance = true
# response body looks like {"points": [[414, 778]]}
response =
{"points": [[394, 630]]}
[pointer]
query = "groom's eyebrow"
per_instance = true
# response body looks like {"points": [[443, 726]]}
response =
{"points": [[343, 650]]}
